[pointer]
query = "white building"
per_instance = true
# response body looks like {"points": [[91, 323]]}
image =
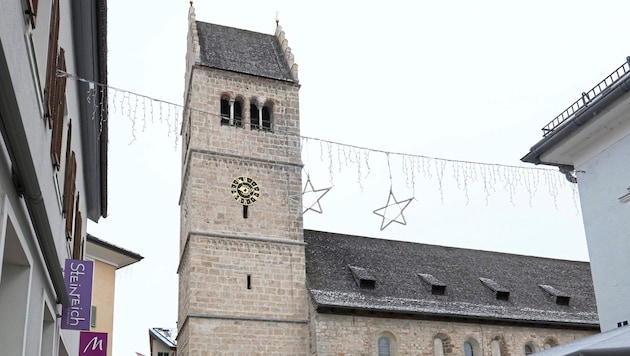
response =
{"points": [[53, 162], [590, 142]]}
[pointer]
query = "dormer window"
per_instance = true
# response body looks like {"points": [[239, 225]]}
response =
{"points": [[437, 287], [363, 277], [560, 297], [231, 111], [501, 293]]}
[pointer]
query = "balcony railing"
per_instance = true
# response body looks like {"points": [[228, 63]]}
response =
{"points": [[598, 91]]}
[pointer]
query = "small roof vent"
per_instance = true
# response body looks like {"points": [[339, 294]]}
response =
{"points": [[500, 292], [560, 297], [364, 278], [437, 287]]}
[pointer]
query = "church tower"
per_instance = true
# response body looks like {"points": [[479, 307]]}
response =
{"points": [[241, 269]]}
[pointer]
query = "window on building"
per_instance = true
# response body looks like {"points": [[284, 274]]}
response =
{"points": [[495, 348], [254, 115], [468, 349], [225, 110], [438, 347], [550, 342], [162, 353], [528, 350], [384, 346], [238, 112], [266, 118], [471, 348]]}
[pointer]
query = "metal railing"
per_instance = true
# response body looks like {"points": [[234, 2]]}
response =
{"points": [[598, 90]]}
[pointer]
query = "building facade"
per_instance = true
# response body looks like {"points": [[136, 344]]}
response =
{"points": [[590, 142], [107, 258], [53, 162], [252, 281]]}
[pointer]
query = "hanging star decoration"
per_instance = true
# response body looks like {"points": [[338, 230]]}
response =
{"points": [[315, 195], [393, 208]]}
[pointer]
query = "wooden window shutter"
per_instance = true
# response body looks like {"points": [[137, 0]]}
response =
{"points": [[77, 252], [68, 196], [51, 66], [32, 11], [69, 142], [59, 112]]}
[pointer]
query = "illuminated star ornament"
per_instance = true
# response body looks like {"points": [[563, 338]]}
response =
{"points": [[312, 196], [393, 211]]}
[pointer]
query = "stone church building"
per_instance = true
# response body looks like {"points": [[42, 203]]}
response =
{"points": [[253, 281]]}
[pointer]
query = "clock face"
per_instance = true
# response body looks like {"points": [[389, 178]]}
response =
{"points": [[245, 190]]}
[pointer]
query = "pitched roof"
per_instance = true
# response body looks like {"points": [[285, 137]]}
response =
{"points": [[165, 336], [242, 51], [400, 287]]}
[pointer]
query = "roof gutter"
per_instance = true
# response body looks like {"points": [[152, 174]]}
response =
{"points": [[330, 309], [591, 111]]}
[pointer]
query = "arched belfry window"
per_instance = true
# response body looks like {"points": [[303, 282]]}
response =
{"points": [[231, 111], [238, 112], [266, 117], [384, 346], [261, 119], [225, 110], [254, 115]]}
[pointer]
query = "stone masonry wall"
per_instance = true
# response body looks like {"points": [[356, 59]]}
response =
{"points": [[344, 335], [275, 289], [217, 337]]}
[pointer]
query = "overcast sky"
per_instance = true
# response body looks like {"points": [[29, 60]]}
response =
{"points": [[458, 80]]}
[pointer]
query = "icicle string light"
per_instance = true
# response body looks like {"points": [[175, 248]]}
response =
{"points": [[465, 174]]}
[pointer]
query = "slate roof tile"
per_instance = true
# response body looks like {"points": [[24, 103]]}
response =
{"points": [[396, 266], [242, 51]]}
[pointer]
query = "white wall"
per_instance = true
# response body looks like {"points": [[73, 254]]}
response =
{"points": [[604, 179]]}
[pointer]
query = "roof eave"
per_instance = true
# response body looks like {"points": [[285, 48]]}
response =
{"points": [[321, 308], [581, 118], [203, 65]]}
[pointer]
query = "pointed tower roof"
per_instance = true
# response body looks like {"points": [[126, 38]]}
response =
{"points": [[247, 52]]}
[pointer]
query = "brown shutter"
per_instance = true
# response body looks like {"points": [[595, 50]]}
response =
{"points": [[68, 196], [78, 239], [59, 112], [51, 67], [32, 11]]}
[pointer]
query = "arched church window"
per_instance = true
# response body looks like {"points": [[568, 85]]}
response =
{"points": [[471, 348], [549, 343], [528, 350], [384, 346], [495, 348], [468, 349], [438, 347]]}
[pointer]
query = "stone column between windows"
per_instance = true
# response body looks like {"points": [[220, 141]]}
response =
{"points": [[231, 112]]}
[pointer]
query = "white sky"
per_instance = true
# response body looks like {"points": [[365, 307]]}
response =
{"points": [[460, 80]]}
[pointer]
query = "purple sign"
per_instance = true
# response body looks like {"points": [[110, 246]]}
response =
{"points": [[78, 278], [92, 344]]}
